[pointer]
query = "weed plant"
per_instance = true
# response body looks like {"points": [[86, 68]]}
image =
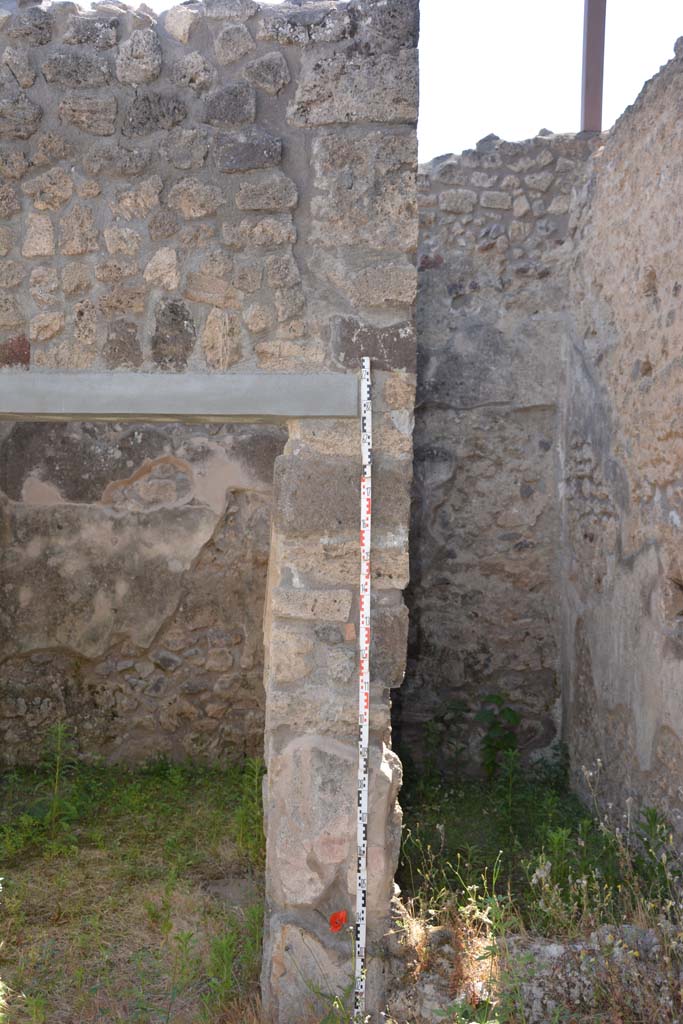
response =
{"points": [[517, 855], [108, 912]]}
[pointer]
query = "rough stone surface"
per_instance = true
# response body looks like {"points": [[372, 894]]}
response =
{"points": [[231, 105], [176, 664], [232, 43], [174, 336], [269, 73], [215, 191], [621, 466], [139, 59], [95, 115], [494, 321]]}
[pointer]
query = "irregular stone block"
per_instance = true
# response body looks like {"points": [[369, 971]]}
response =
{"points": [[163, 224], [15, 352], [389, 348], [98, 32], [122, 347], [13, 164], [388, 26], [112, 270], [162, 269], [75, 278], [44, 283], [50, 148], [270, 73], [389, 644], [78, 232], [282, 271], [85, 322], [11, 314], [246, 150], [213, 291], [95, 115], [289, 303], [12, 273], [233, 43], [9, 201], [151, 112], [194, 72], [365, 189], [235, 10], [231, 105], [139, 59], [174, 336], [122, 241], [116, 160], [136, 203], [320, 605], [258, 318], [347, 89], [496, 200], [180, 21], [77, 70], [274, 193], [192, 198], [45, 326], [124, 299], [221, 339], [301, 26], [457, 200], [32, 27], [269, 231], [19, 116], [39, 236], [50, 190], [385, 284], [18, 60], [318, 494], [185, 148], [6, 240]]}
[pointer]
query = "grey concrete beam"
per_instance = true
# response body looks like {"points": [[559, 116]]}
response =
{"points": [[188, 397]]}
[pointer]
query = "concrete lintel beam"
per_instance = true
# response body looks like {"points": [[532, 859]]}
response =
{"points": [[188, 397]]}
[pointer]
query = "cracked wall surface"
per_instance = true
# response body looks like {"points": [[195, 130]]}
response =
{"points": [[133, 579]]}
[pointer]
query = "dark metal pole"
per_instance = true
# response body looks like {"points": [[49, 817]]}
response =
{"points": [[593, 65]]}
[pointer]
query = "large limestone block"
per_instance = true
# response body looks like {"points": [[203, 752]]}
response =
{"points": [[341, 89], [319, 494], [365, 190], [313, 782]]}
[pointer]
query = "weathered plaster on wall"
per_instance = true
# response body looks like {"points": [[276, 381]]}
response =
{"points": [[493, 322], [624, 503], [133, 572]]}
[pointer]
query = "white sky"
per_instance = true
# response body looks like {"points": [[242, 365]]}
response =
{"points": [[513, 67]]}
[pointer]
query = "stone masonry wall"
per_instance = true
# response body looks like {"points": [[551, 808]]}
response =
{"points": [[229, 188], [622, 573], [133, 585], [493, 321]]}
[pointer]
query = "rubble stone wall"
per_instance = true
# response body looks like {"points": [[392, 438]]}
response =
{"points": [[133, 588], [232, 187], [494, 319], [622, 574]]}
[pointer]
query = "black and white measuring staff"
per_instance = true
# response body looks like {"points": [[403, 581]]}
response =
{"points": [[364, 634]]}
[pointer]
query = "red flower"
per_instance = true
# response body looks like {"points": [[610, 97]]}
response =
{"points": [[338, 920]]}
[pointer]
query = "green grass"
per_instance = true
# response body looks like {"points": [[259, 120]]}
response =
{"points": [[519, 856], [114, 906]]}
